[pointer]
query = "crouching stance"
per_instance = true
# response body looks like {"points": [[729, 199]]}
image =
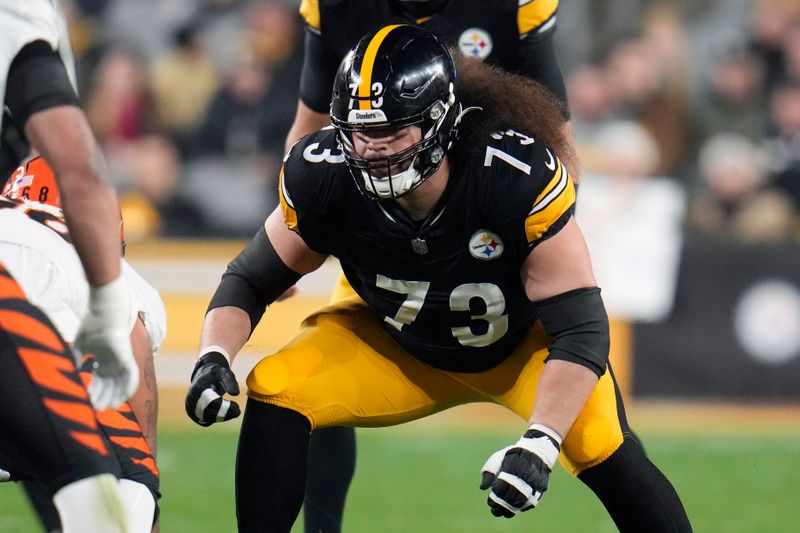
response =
{"points": [[454, 226]]}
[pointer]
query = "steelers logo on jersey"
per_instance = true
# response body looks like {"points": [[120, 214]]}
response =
{"points": [[475, 42], [485, 245]]}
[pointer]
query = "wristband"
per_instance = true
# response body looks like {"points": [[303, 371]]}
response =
{"points": [[209, 357], [549, 432], [215, 348]]}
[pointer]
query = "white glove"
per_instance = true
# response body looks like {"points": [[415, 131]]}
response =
{"points": [[4, 475], [105, 334], [519, 474]]}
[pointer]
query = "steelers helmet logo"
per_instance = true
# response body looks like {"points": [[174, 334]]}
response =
{"points": [[475, 42], [485, 245]]}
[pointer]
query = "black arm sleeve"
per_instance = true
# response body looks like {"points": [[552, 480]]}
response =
{"points": [[319, 71], [536, 59], [37, 80], [577, 324], [254, 279]]}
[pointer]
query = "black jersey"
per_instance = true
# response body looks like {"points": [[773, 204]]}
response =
{"points": [[449, 290], [513, 34]]}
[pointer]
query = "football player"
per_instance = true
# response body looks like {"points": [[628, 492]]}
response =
{"points": [[454, 226], [515, 35], [36, 85], [35, 248]]}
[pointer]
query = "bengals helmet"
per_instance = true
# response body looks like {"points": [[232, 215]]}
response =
{"points": [[33, 181], [395, 77]]}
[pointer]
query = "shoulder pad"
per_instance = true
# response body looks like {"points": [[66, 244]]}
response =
{"points": [[536, 176], [308, 171], [320, 147], [309, 10], [536, 16]]}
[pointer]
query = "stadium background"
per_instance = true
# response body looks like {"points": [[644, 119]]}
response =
{"points": [[687, 118]]}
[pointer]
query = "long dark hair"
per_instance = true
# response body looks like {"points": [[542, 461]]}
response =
{"points": [[508, 101]]}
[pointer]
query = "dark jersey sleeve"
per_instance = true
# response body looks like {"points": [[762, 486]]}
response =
{"points": [[536, 59], [319, 70], [535, 56]]}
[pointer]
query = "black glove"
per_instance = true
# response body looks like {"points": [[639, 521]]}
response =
{"points": [[518, 474], [211, 378]]}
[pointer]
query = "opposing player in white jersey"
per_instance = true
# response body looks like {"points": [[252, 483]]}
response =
{"points": [[37, 87], [36, 250]]}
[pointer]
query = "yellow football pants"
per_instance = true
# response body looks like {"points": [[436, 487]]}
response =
{"points": [[343, 369]]}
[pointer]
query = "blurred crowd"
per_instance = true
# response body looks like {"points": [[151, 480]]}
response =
{"points": [[192, 100], [707, 96]]}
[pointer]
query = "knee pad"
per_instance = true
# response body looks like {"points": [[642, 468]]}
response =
{"points": [[91, 505], [268, 378], [598, 430], [590, 442], [140, 504]]}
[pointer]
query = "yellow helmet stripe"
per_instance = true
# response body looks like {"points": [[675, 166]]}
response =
{"points": [[366, 66]]}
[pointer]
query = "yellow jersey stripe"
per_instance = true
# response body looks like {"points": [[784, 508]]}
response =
{"points": [[531, 14], [287, 206], [309, 9], [558, 180], [368, 63], [550, 205]]}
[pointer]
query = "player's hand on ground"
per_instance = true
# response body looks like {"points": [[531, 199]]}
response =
{"points": [[105, 334], [518, 474], [212, 377]]}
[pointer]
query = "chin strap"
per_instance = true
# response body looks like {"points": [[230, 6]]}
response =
{"points": [[464, 111]]}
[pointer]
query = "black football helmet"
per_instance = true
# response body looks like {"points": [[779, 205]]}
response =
{"points": [[395, 77]]}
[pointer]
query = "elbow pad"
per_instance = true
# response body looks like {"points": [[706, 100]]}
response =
{"points": [[254, 279], [577, 324], [37, 80]]}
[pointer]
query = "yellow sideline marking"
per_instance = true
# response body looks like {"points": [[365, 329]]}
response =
{"points": [[280, 324], [223, 249]]}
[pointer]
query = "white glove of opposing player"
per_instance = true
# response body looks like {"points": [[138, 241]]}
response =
{"points": [[518, 474], [105, 334]]}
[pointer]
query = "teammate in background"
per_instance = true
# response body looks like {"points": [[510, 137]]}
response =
{"points": [[515, 35], [38, 423], [455, 228], [35, 249]]}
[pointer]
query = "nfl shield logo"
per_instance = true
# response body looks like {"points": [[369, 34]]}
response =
{"points": [[419, 246]]}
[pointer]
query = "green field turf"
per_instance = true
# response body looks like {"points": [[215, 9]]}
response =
{"points": [[425, 480]]}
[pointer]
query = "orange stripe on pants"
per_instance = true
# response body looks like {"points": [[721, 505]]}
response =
{"points": [[29, 327], [9, 289], [79, 412], [52, 372], [91, 441]]}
